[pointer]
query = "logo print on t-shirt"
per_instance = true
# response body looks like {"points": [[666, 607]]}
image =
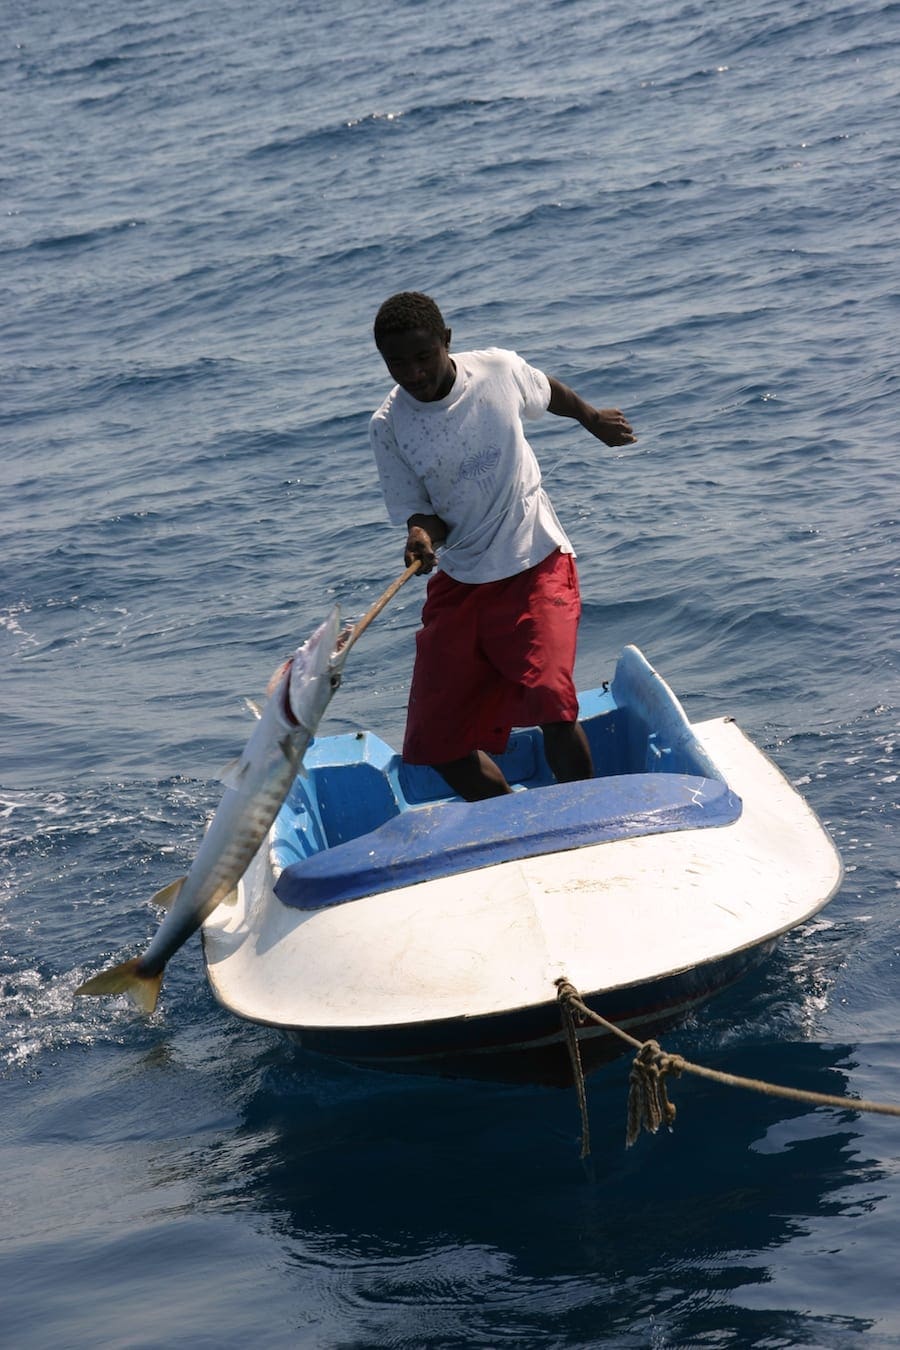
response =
{"points": [[479, 463]]}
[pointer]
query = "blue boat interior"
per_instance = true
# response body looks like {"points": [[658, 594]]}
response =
{"points": [[360, 821]]}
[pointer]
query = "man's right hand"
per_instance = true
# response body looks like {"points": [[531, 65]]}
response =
{"points": [[426, 533]]}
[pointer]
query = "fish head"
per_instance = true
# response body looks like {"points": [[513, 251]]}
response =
{"points": [[315, 673]]}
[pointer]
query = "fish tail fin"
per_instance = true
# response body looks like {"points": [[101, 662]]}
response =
{"points": [[127, 978]]}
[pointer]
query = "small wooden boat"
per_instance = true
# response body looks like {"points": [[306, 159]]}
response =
{"points": [[389, 924]]}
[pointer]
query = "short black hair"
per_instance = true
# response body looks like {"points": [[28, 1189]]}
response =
{"points": [[407, 310]]}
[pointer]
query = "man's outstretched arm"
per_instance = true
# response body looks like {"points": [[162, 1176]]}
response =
{"points": [[608, 424]]}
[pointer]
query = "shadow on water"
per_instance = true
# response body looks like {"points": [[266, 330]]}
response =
{"points": [[470, 1199]]}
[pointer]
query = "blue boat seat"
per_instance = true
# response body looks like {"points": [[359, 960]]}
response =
{"points": [[446, 838]]}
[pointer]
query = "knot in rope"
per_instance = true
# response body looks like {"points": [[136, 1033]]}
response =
{"points": [[648, 1102], [571, 1000]]}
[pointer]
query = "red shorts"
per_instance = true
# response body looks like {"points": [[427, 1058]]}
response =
{"points": [[491, 657]]}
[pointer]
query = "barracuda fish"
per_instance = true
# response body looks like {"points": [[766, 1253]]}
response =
{"points": [[256, 785]]}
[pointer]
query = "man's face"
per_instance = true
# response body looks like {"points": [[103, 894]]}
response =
{"points": [[420, 363]]}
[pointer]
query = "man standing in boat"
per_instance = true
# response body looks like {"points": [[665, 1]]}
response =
{"points": [[497, 643]]}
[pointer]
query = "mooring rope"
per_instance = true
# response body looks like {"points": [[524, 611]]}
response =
{"points": [[569, 1025], [648, 1101]]}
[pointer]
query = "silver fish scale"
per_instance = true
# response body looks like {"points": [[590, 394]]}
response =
{"points": [[253, 826]]}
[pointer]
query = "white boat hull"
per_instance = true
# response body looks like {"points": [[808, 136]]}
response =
{"points": [[458, 974]]}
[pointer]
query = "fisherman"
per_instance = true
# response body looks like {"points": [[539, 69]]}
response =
{"points": [[497, 643]]}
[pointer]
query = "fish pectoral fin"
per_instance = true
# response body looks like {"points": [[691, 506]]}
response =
{"points": [[127, 978], [288, 748], [254, 707], [231, 898], [169, 894]]}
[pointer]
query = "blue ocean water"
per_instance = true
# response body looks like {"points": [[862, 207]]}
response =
{"points": [[686, 210]]}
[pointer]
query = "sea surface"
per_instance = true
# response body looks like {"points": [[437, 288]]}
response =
{"points": [[686, 210]]}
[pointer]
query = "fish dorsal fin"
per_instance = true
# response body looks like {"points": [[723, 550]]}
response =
{"points": [[233, 772], [166, 898]]}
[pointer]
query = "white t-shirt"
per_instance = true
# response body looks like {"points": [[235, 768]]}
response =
{"points": [[465, 458]]}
